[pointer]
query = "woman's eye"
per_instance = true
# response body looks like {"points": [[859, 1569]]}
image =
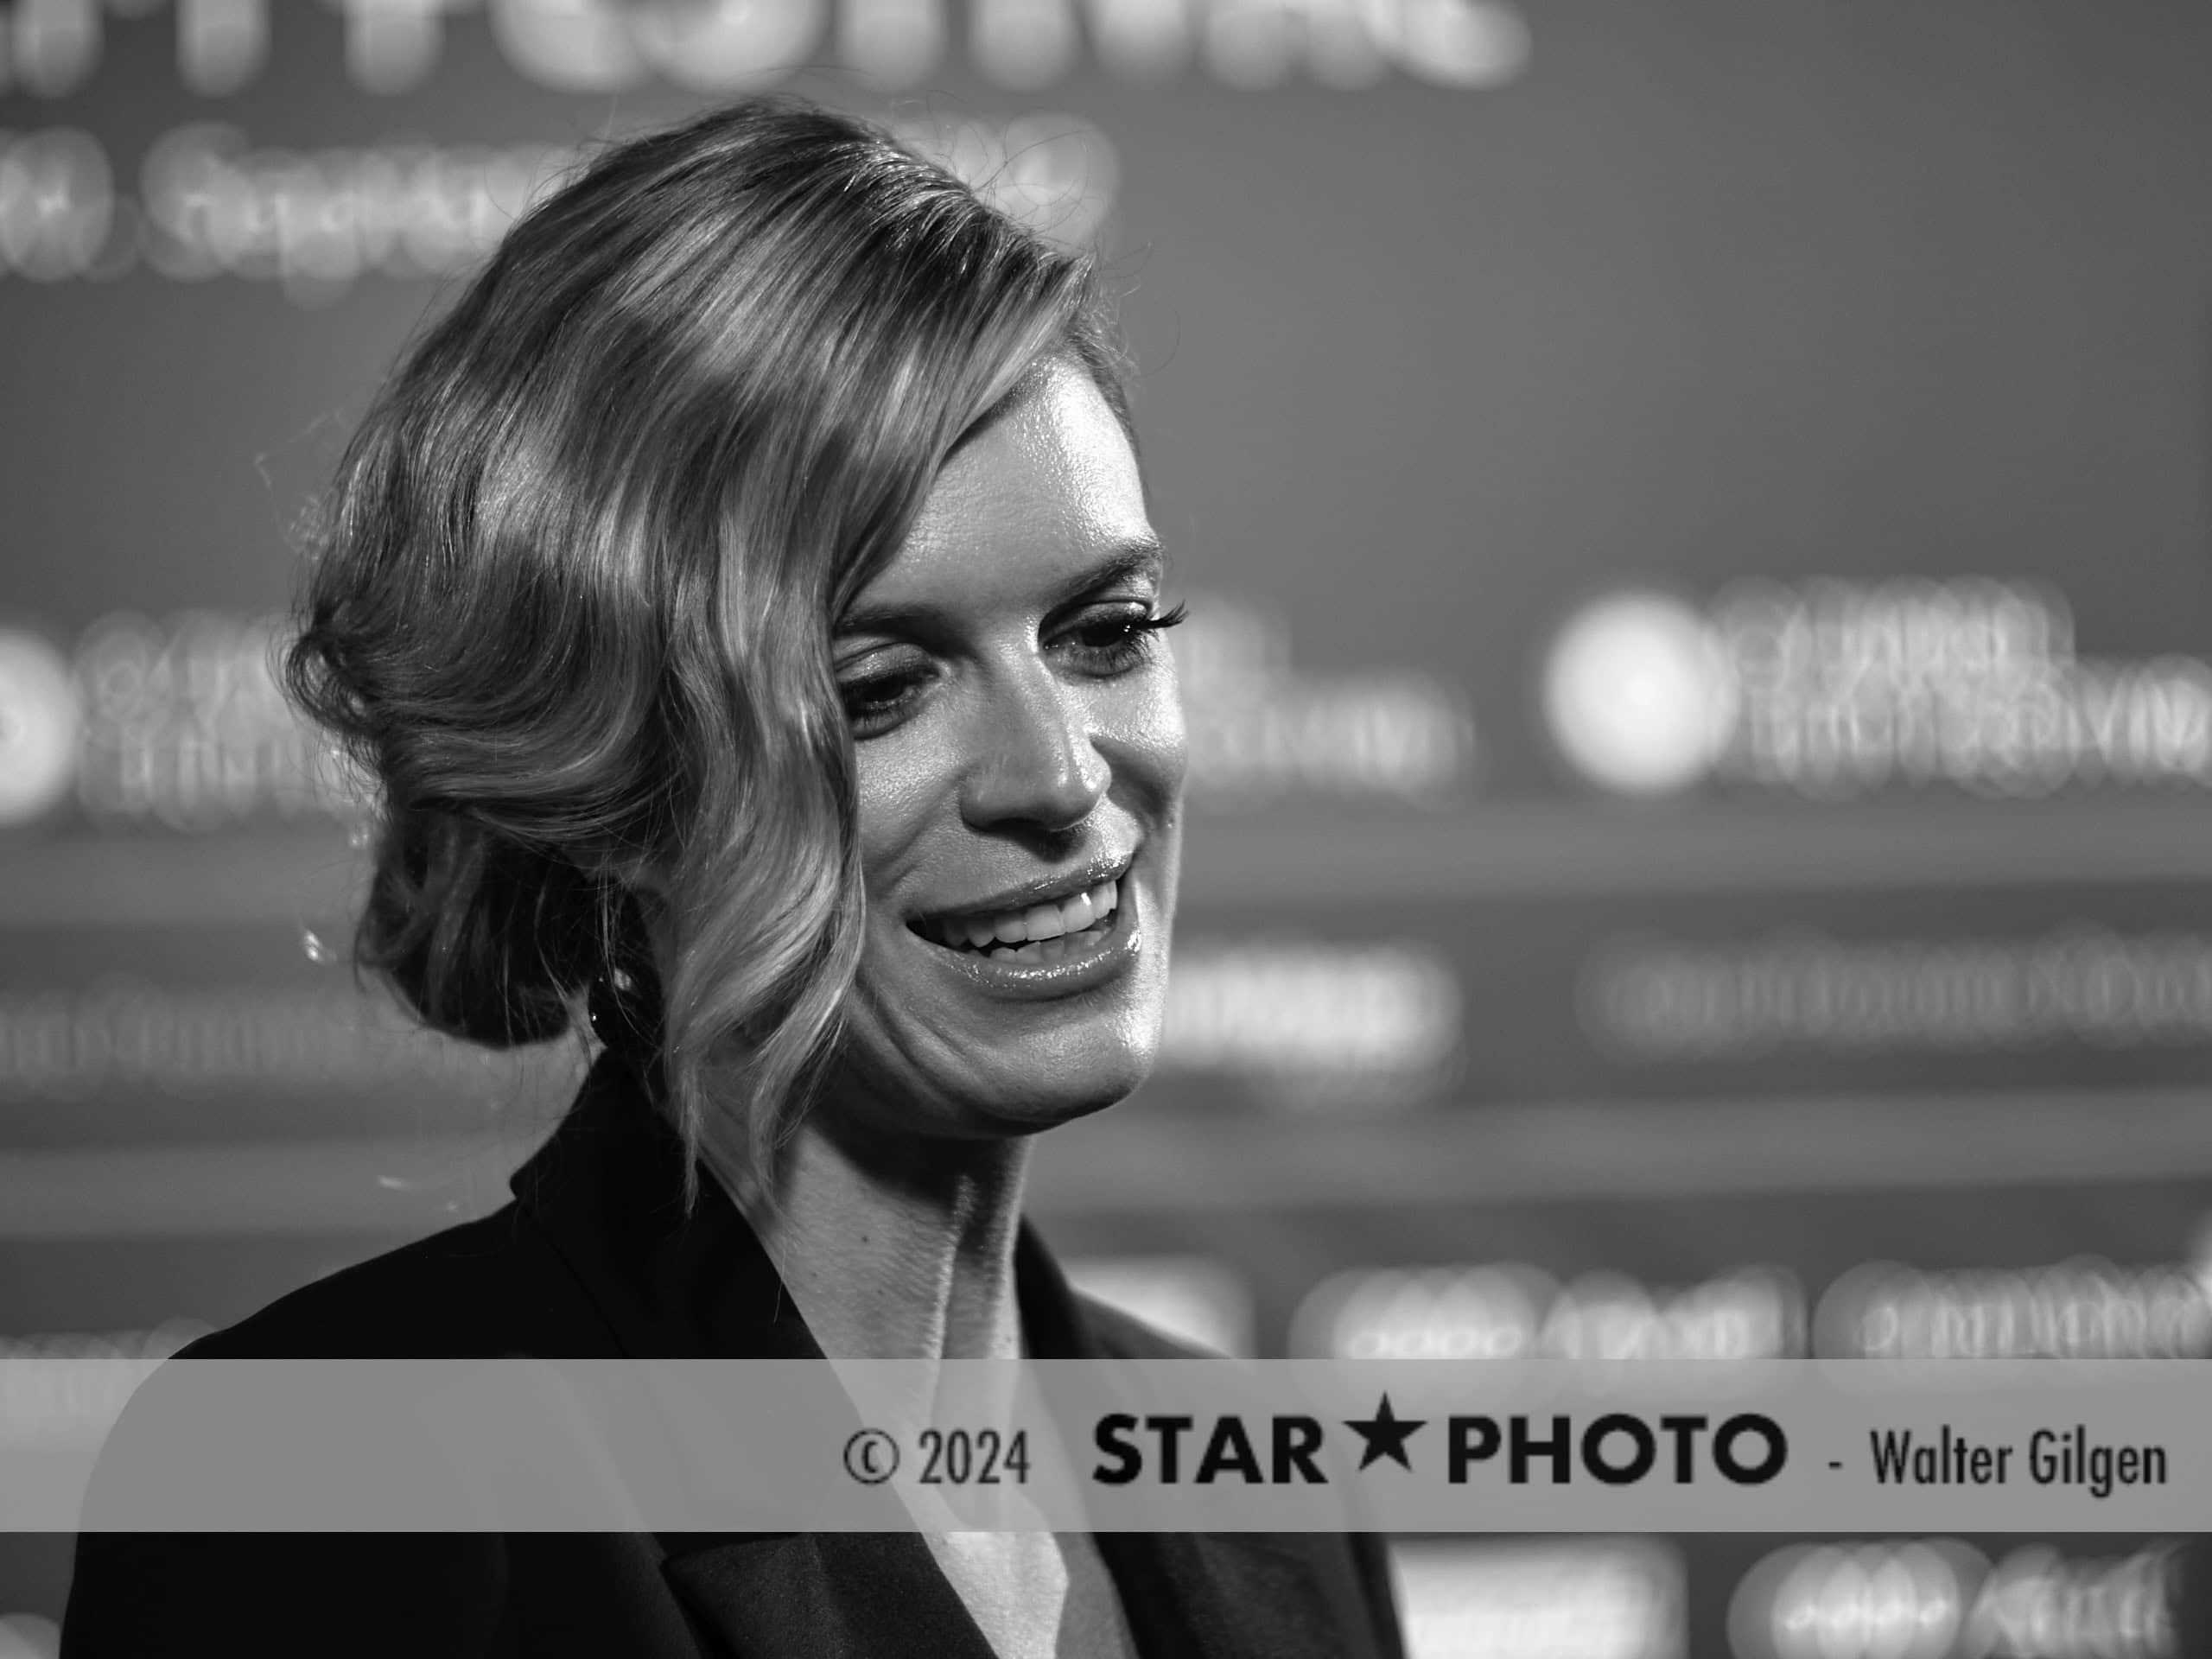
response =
{"points": [[877, 697], [1104, 636], [874, 700], [1122, 640]]}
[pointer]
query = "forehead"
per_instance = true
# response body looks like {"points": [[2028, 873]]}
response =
{"points": [[1047, 484]]}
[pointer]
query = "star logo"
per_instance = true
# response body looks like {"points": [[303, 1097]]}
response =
{"points": [[1385, 1435]]}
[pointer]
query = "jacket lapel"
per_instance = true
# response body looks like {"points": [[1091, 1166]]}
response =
{"points": [[606, 1192], [825, 1595], [1218, 1595], [1236, 1595]]}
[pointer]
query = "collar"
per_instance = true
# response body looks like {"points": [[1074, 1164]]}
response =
{"points": [[606, 1188]]}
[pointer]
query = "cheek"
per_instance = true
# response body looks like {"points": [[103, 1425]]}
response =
{"points": [[1175, 747], [898, 779], [1149, 737]]}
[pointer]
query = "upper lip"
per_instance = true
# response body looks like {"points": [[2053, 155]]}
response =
{"points": [[1045, 890]]}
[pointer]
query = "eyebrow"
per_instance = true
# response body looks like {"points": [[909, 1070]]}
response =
{"points": [[1140, 557]]}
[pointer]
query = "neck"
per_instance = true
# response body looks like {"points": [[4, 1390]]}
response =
{"points": [[895, 1247]]}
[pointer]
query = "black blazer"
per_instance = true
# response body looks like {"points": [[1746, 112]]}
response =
{"points": [[593, 1259]]}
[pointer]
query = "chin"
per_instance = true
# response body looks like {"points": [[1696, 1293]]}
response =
{"points": [[995, 1081], [1033, 1105], [1024, 1084]]}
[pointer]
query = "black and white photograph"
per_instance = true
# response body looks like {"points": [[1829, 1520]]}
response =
{"points": [[1469, 688]]}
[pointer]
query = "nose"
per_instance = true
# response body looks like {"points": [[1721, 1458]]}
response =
{"points": [[1034, 763]]}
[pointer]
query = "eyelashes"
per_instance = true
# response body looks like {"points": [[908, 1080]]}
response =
{"points": [[1104, 648], [1132, 636], [877, 703]]}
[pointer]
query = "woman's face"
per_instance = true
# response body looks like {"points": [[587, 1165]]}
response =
{"points": [[1020, 745]]}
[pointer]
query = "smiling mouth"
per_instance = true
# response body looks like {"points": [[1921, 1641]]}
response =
{"points": [[1041, 933]]}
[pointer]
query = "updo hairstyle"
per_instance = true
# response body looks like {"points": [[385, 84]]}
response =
{"points": [[571, 603]]}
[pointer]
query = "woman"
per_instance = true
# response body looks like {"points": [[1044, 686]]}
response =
{"points": [[745, 604]]}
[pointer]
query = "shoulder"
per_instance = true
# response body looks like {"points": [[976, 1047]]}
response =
{"points": [[485, 1290], [479, 1290]]}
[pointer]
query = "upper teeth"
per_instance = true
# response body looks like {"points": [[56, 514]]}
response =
{"points": [[1037, 922]]}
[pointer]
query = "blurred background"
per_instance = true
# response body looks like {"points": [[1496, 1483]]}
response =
{"points": [[1697, 526]]}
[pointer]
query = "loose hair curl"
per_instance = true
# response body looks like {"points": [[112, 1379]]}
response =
{"points": [[572, 596]]}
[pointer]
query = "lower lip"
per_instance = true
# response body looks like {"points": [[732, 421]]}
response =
{"points": [[1104, 959]]}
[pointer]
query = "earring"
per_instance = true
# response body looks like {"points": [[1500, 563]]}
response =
{"points": [[624, 1011]]}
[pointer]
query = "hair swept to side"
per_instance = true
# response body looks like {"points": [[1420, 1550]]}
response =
{"points": [[573, 587]]}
